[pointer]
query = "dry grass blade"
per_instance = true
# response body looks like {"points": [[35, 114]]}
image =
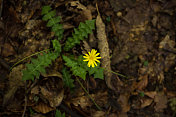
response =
{"points": [[104, 49]]}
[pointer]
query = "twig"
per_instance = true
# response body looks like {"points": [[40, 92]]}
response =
{"points": [[88, 94]]}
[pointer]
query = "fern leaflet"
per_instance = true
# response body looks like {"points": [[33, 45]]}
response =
{"points": [[79, 34], [68, 81]]}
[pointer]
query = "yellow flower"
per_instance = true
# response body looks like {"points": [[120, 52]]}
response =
{"points": [[92, 58]]}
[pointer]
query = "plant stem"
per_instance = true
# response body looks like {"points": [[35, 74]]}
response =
{"points": [[28, 57], [115, 73], [88, 94]]}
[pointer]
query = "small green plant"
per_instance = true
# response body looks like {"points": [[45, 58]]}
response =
{"points": [[39, 64], [77, 65], [59, 114]]}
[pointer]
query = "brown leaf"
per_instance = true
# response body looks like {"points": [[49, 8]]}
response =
{"points": [[99, 114], [123, 101], [143, 82], [86, 12], [42, 108], [161, 102], [150, 94], [83, 101], [15, 81], [146, 102], [54, 98], [104, 50]]}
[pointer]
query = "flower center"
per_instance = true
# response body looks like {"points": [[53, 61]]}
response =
{"points": [[91, 58]]}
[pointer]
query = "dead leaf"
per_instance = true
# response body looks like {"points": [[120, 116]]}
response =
{"points": [[143, 82], [104, 50], [86, 12], [83, 101], [54, 98], [7, 50], [161, 102], [150, 94], [42, 108], [35, 90], [123, 101], [167, 42], [15, 81], [98, 114], [146, 102]]}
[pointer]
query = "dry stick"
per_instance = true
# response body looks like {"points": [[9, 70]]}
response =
{"points": [[88, 94]]}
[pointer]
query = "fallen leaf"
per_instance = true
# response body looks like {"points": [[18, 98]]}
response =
{"points": [[86, 12], [15, 81], [142, 83], [104, 50], [123, 101], [54, 98], [98, 114], [150, 94], [42, 108], [161, 102], [146, 102], [83, 101]]}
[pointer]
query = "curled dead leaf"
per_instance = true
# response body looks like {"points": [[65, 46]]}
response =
{"points": [[54, 98], [143, 82], [86, 12], [104, 50], [42, 108]]}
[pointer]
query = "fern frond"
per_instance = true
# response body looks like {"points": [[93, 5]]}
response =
{"points": [[79, 68], [53, 21], [79, 34], [75, 68], [38, 66], [68, 81]]}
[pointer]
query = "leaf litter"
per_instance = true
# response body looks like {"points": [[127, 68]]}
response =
{"points": [[143, 32]]}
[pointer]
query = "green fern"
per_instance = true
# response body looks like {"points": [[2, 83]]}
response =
{"points": [[68, 81], [80, 68], [79, 34], [38, 66], [59, 114], [53, 21]]}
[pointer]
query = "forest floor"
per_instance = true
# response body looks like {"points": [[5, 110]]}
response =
{"points": [[140, 53]]}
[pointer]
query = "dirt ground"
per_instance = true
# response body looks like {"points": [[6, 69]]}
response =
{"points": [[140, 36]]}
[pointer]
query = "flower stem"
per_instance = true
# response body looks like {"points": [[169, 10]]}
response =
{"points": [[88, 94], [115, 73]]}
